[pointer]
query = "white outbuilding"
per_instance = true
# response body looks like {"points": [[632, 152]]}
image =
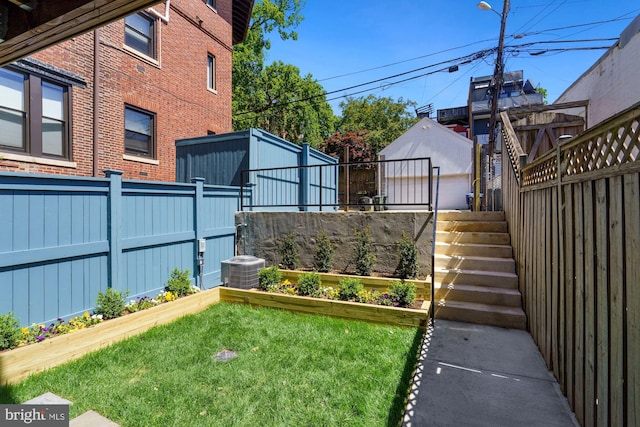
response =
{"points": [[447, 149]]}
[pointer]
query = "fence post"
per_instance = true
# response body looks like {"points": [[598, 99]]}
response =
{"points": [[114, 225], [198, 225], [304, 177]]}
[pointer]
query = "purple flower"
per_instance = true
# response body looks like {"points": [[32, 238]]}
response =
{"points": [[40, 338]]}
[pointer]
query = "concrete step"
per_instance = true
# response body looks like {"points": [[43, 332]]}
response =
{"points": [[473, 237], [478, 294], [474, 249], [473, 226], [484, 314], [502, 265], [493, 279], [92, 419], [470, 216]]}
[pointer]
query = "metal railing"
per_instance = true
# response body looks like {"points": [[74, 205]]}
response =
{"points": [[376, 185]]}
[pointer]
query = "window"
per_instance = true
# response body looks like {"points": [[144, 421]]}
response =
{"points": [[140, 34], [211, 72], [211, 4], [139, 132], [33, 115]]}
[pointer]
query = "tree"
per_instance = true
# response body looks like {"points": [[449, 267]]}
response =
{"points": [[275, 97], [383, 119], [543, 91], [288, 105], [359, 150]]}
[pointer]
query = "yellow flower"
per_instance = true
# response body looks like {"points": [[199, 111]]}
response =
{"points": [[25, 331], [286, 282], [86, 315]]}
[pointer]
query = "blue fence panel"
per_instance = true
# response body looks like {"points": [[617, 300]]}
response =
{"points": [[157, 222], [64, 239], [218, 229], [53, 245]]}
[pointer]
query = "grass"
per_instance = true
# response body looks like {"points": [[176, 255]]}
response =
{"points": [[291, 369]]}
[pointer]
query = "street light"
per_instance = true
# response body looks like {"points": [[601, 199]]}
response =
{"points": [[497, 74]]}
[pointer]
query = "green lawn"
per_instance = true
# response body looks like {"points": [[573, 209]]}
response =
{"points": [[291, 370]]}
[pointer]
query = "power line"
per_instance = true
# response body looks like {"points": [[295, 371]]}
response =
{"points": [[463, 60]]}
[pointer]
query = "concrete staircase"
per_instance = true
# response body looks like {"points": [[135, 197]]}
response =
{"points": [[475, 279]]}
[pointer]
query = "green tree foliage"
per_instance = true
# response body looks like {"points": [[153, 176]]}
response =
{"points": [[382, 118], [543, 91], [276, 97]]}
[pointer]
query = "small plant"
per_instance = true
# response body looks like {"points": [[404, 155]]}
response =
{"points": [[179, 282], [110, 304], [9, 331], [324, 253], [363, 252], [349, 288], [408, 265], [309, 284], [289, 252], [402, 293], [269, 278]]}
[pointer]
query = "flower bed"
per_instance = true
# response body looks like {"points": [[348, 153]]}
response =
{"points": [[20, 362], [345, 309], [380, 284]]}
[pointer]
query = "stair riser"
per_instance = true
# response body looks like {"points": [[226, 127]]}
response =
{"points": [[481, 317], [507, 300], [499, 264], [475, 226], [470, 216], [477, 279], [470, 237], [485, 251]]}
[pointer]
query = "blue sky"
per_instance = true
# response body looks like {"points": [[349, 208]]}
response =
{"points": [[344, 38]]}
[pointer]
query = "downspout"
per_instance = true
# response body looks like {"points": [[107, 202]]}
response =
{"points": [[96, 98], [164, 18]]}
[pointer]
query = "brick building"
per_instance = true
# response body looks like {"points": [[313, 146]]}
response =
{"points": [[156, 76]]}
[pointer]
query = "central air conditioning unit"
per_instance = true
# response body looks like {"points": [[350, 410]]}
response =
{"points": [[241, 271]]}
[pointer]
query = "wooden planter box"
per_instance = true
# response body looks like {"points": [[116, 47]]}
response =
{"points": [[348, 310], [380, 284], [21, 362]]}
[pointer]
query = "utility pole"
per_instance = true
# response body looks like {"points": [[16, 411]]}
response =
{"points": [[497, 84]]}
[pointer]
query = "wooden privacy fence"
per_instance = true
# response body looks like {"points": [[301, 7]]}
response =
{"points": [[574, 219], [64, 239]]}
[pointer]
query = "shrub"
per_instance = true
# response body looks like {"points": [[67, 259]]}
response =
{"points": [[408, 264], [309, 284], [323, 261], [289, 252], [363, 252], [402, 293], [348, 288], [110, 304], [179, 282], [10, 333], [269, 278]]}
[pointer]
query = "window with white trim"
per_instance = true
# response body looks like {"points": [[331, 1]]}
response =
{"points": [[140, 34], [211, 71]]}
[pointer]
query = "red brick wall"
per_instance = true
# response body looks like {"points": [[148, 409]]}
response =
{"points": [[174, 88]]}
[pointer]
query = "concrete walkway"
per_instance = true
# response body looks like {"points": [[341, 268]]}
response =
{"points": [[476, 375]]}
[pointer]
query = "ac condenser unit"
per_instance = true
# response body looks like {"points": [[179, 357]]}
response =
{"points": [[241, 271]]}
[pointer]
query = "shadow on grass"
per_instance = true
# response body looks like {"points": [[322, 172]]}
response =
{"points": [[7, 395], [404, 402]]}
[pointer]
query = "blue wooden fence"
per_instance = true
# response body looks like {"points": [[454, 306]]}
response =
{"points": [[64, 239]]}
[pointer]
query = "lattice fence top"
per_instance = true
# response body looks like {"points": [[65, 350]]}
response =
{"points": [[614, 143]]}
